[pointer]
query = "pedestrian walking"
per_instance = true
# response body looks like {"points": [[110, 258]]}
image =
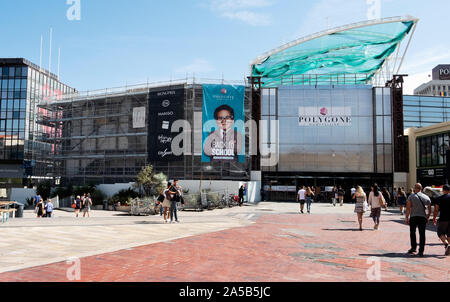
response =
{"points": [[176, 191], [417, 217], [387, 197], [241, 196], [352, 194], [49, 208], [410, 192], [40, 209], [309, 198], [301, 197], [360, 206], [77, 205], [401, 200], [341, 195], [160, 201], [167, 202], [376, 202], [442, 205], [335, 194], [87, 204]]}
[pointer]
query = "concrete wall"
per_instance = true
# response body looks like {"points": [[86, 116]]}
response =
{"points": [[111, 190], [232, 187], [20, 195]]}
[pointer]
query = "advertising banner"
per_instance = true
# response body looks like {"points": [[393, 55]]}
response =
{"points": [[139, 117], [223, 123], [166, 107]]}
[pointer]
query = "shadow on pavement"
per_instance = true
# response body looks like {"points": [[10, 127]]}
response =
{"points": [[347, 230], [403, 255], [430, 226]]}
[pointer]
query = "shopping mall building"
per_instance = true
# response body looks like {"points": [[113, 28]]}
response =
{"points": [[321, 111]]}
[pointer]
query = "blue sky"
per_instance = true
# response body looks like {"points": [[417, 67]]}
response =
{"points": [[129, 42]]}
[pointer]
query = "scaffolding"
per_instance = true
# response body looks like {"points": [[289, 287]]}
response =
{"points": [[93, 140]]}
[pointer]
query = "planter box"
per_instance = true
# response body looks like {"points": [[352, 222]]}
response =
{"points": [[124, 209]]}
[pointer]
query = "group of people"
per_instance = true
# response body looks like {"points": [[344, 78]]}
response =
{"points": [[418, 213], [168, 201], [83, 204], [306, 196], [42, 208]]}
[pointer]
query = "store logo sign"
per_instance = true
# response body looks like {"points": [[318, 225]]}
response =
{"points": [[165, 103], [316, 116]]}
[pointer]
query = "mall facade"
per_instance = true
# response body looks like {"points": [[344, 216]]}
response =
{"points": [[321, 111]]}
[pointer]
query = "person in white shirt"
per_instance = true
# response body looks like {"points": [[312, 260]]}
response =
{"points": [[301, 197], [376, 202]]}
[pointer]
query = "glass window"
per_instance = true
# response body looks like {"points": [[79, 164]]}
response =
{"points": [[18, 71], [5, 71], [25, 71]]}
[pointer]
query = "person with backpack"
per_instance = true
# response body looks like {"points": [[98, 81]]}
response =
{"points": [[49, 208], [77, 203], [417, 217], [87, 204], [376, 202]]}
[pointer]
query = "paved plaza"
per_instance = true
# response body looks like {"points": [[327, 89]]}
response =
{"points": [[268, 242]]}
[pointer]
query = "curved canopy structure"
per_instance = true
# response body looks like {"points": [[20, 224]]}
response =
{"points": [[357, 51]]}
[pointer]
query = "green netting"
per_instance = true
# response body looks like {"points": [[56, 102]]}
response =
{"points": [[359, 53]]}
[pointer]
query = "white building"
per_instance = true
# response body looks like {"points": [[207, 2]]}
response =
{"points": [[439, 86]]}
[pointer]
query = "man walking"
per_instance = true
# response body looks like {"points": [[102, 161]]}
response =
{"points": [[443, 205], [341, 195], [301, 196], [416, 217]]}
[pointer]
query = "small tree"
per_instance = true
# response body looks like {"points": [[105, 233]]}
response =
{"points": [[44, 189], [150, 182]]}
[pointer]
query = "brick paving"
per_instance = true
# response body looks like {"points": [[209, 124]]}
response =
{"points": [[277, 248]]}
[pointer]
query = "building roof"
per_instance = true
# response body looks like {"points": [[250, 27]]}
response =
{"points": [[359, 49], [22, 61]]}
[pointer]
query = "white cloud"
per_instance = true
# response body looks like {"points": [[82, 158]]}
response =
{"points": [[198, 66], [243, 10], [252, 18], [414, 81]]}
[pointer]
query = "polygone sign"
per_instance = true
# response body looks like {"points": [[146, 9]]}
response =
{"points": [[324, 116]]}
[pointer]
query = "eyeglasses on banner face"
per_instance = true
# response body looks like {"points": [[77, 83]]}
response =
{"points": [[225, 118]]}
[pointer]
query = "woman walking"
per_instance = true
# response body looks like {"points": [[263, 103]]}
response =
{"points": [[78, 203], [40, 209], [360, 209], [376, 202], [401, 200], [167, 202], [309, 198]]}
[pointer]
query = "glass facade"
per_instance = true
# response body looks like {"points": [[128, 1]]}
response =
{"points": [[331, 148], [22, 87], [423, 111], [431, 150], [13, 112]]}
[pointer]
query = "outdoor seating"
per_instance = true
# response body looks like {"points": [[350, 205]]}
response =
{"points": [[5, 211]]}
